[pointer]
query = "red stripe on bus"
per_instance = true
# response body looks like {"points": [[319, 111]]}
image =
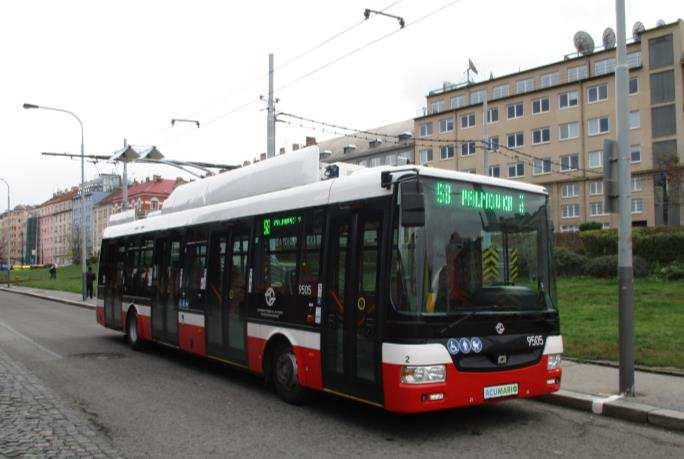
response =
{"points": [[191, 339], [308, 362]]}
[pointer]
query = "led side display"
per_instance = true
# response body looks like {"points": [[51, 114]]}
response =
{"points": [[273, 224]]}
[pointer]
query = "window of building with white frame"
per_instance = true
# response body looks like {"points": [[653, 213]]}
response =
{"points": [[570, 210]]}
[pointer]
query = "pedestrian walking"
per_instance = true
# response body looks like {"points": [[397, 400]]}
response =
{"points": [[90, 280], [53, 272]]}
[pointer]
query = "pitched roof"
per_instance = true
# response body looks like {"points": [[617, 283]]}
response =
{"points": [[159, 187], [67, 196]]}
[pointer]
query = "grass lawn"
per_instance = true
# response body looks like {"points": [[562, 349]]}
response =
{"points": [[589, 320], [68, 278]]}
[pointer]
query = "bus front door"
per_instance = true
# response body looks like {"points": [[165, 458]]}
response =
{"points": [[350, 337]]}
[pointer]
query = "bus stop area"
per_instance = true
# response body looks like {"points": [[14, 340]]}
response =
{"points": [[585, 386]]}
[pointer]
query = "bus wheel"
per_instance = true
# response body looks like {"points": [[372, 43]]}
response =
{"points": [[132, 334], [285, 380]]}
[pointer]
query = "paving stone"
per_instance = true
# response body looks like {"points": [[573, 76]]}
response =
{"points": [[36, 423]]}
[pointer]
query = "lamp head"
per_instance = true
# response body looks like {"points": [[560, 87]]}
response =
{"points": [[28, 106]]}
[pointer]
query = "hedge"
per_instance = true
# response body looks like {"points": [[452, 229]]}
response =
{"points": [[660, 245]]}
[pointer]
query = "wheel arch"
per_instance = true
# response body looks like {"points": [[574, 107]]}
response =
{"points": [[276, 339]]}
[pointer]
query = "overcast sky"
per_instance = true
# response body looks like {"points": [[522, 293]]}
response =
{"points": [[128, 67]]}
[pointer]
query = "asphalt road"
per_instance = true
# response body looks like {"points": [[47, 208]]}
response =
{"points": [[161, 403]]}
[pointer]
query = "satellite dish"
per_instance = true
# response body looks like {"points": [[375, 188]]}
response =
{"points": [[660, 23], [637, 28], [584, 44], [608, 38]]}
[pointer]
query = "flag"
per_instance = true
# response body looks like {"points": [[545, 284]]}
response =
{"points": [[471, 66]]}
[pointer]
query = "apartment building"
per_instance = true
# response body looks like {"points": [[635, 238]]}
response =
{"points": [[391, 144], [13, 225], [147, 195], [101, 213], [547, 126], [57, 239], [95, 191]]}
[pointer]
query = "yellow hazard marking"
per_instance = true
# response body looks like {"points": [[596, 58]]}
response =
{"points": [[361, 303], [490, 264], [515, 266]]}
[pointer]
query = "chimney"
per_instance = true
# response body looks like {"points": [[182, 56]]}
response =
{"points": [[156, 178], [310, 141], [295, 146], [282, 150], [179, 180], [262, 156], [147, 179], [247, 162]]}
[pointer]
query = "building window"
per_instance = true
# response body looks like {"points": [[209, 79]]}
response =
{"points": [[568, 99], [569, 228], [605, 225], [635, 154], [596, 187], [597, 93], [568, 131], [500, 91], [437, 106], [523, 86], [446, 151], [634, 59], [468, 121], [458, 101], [377, 161], [541, 135], [634, 119], [425, 156], [569, 162], [426, 129], [663, 121], [469, 171], [577, 73], [596, 209], [494, 142], [515, 110], [446, 125], [660, 52], [467, 148], [541, 166], [492, 115], [604, 66], [516, 170], [477, 97], [637, 205], [570, 210], [595, 159], [596, 126], [550, 79], [515, 139], [634, 85], [662, 87], [494, 171], [637, 184], [540, 105]]}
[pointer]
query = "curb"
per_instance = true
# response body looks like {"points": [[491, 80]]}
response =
{"points": [[607, 363], [617, 407], [78, 304]]}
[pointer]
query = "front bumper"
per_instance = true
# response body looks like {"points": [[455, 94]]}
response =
{"points": [[461, 389]]}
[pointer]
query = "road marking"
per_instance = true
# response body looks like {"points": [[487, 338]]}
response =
{"points": [[597, 403], [26, 338]]}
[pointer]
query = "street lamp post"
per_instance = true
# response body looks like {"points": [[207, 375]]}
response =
{"points": [[83, 206], [9, 231]]}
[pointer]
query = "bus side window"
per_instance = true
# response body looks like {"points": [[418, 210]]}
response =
{"points": [[279, 257], [131, 268], [145, 262], [310, 265]]}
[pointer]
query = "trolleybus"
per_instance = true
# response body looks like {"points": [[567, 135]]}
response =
{"points": [[408, 288]]}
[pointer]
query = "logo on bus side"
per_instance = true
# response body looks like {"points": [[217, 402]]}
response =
{"points": [[270, 296], [500, 328]]}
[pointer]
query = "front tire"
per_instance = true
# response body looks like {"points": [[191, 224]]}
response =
{"points": [[285, 376], [132, 332]]}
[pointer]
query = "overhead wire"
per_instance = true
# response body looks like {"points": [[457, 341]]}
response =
{"points": [[327, 64], [265, 74]]}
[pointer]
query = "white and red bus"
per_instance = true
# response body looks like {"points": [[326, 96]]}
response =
{"points": [[410, 288]]}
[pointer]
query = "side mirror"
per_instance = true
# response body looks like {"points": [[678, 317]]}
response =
{"points": [[412, 204]]}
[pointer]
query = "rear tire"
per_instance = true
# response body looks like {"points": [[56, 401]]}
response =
{"points": [[132, 332], [284, 370]]}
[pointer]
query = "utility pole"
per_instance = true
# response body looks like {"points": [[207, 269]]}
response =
{"points": [[124, 185], [485, 136], [625, 268], [270, 118]]}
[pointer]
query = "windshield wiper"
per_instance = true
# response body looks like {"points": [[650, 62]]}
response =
{"points": [[457, 321]]}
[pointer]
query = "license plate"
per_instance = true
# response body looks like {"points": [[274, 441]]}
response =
{"points": [[504, 390]]}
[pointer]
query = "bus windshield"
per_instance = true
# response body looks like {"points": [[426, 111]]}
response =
{"points": [[482, 248]]}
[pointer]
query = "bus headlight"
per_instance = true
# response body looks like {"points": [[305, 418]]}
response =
{"points": [[554, 361], [423, 374]]}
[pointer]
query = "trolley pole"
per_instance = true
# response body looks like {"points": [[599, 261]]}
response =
{"points": [[625, 267], [124, 185], [270, 117]]}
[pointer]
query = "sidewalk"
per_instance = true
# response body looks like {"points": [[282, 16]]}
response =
{"points": [[588, 387], [73, 299]]}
